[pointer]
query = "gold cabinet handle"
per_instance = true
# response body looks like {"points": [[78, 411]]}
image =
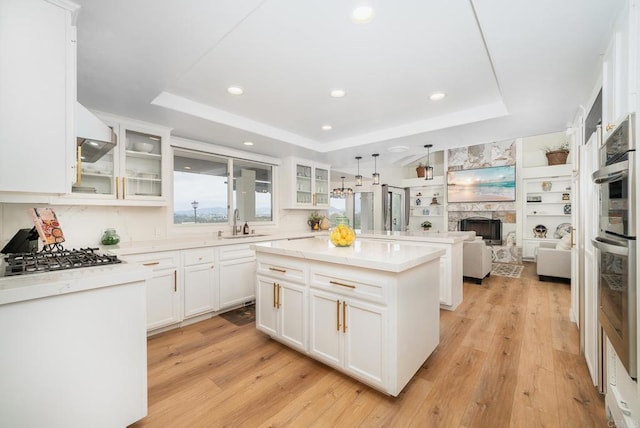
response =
{"points": [[610, 126], [175, 281], [79, 167], [124, 192], [342, 284], [150, 264], [573, 244], [338, 315], [117, 187], [278, 307], [344, 317], [277, 269], [274, 295]]}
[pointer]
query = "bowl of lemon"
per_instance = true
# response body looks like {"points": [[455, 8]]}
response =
{"points": [[342, 236]]}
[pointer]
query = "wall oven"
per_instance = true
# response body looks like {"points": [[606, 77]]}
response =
{"points": [[616, 242]]}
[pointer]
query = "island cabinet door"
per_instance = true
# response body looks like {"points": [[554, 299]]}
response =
{"points": [[266, 306], [292, 315], [365, 341], [325, 329]]}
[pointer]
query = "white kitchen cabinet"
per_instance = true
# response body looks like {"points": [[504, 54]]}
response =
{"points": [[132, 173], [348, 334], [547, 205], [163, 289], [37, 83], [306, 184], [200, 281], [281, 311], [237, 275]]}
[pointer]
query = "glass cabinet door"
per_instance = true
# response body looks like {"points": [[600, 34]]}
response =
{"points": [[143, 165], [322, 186], [95, 176], [303, 184]]}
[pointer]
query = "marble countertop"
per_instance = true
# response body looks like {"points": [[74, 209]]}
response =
{"points": [[21, 288], [385, 256], [418, 235], [211, 240]]}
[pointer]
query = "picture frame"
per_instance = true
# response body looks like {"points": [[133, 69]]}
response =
{"points": [[492, 184]]}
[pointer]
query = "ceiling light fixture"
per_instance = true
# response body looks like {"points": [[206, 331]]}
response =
{"points": [[437, 96], [376, 174], [337, 93], [358, 177], [327, 127], [362, 14], [397, 149], [235, 90], [342, 191], [429, 168], [248, 143]]}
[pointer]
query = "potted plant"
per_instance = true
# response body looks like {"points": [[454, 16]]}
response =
{"points": [[558, 155], [314, 220], [425, 225], [421, 170]]}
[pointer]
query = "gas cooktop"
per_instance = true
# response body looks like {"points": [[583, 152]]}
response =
{"points": [[58, 259]]}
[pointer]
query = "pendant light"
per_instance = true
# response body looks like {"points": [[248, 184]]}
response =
{"points": [[358, 177], [429, 168], [376, 175]]}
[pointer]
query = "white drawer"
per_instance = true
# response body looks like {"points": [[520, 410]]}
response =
{"points": [[198, 256], [350, 282], [163, 260], [282, 268], [238, 251]]}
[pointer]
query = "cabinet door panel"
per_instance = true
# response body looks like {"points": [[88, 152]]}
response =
{"points": [[365, 341], [326, 337], [162, 304], [266, 312], [237, 281], [199, 286], [292, 315]]}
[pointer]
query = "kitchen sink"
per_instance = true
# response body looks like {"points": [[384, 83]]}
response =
{"points": [[255, 235]]}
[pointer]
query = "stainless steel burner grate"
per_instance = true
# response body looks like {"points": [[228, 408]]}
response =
{"points": [[59, 259]]}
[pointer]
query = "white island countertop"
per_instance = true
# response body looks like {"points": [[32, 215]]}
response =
{"points": [[385, 256], [20, 288], [418, 235]]}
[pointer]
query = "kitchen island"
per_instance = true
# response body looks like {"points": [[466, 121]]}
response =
{"points": [[74, 349], [450, 264], [370, 310]]}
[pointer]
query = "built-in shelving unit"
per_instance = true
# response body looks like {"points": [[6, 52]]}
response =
{"points": [[427, 202]]}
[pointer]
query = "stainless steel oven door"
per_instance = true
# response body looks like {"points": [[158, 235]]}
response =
{"points": [[617, 197], [617, 292]]}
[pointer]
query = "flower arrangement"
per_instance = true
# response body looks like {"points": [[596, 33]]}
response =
{"points": [[557, 155], [563, 147], [426, 225], [314, 220]]}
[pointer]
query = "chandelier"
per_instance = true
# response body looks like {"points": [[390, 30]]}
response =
{"points": [[342, 191]]}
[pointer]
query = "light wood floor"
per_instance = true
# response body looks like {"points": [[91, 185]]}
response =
{"points": [[508, 357]]}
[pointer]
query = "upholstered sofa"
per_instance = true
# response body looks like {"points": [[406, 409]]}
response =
{"points": [[476, 260], [553, 261]]}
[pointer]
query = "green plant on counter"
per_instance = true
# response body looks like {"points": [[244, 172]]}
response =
{"points": [[425, 225], [314, 217]]}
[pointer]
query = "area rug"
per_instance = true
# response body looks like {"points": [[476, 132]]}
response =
{"points": [[508, 270], [241, 316]]}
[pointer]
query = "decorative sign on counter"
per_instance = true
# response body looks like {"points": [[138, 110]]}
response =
{"points": [[47, 225]]}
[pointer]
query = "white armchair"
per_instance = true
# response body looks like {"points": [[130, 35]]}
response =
{"points": [[476, 260], [552, 262]]}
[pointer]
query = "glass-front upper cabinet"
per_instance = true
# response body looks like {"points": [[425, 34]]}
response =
{"points": [[307, 184], [131, 172]]}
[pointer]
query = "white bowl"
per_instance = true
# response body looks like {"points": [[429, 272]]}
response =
{"points": [[143, 147]]}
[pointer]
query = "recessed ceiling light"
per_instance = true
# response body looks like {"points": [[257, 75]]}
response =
{"points": [[398, 149], [154, 138], [248, 143], [187, 167], [337, 93], [235, 90], [437, 96], [362, 14], [327, 127]]}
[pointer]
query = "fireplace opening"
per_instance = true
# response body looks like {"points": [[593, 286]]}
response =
{"points": [[489, 229]]}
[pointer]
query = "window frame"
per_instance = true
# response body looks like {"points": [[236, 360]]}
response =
{"points": [[231, 154]]}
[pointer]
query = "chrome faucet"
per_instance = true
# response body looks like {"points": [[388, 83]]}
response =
{"points": [[236, 217]]}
